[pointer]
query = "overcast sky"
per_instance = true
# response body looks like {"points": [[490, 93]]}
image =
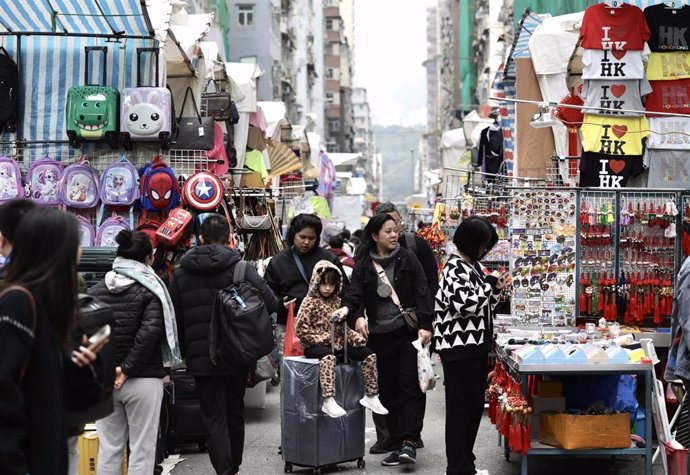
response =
{"points": [[390, 46]]}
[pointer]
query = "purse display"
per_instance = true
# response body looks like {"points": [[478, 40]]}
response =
{"points": [[248, 223], [193, 133], [219, 104]]}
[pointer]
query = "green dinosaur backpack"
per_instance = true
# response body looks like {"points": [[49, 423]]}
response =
{"points": [[92, 109]]}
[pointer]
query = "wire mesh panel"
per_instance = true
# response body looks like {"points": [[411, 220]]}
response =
{"points": [[598, 235], [543, 252]]}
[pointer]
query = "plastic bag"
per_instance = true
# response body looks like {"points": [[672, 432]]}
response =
{"points": [[425, 370], [292, 344]]}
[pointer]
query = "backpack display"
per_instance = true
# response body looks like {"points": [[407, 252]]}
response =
{"points": [[241, 330], [92, 110], [10, 180], [78, 186], [174, 227], [9, 89], [119, 185], [43, 179], [202, 191], [86, 232], [109, 229], [146, 111], [158, 187]]}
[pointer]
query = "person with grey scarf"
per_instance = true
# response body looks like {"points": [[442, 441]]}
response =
{"points": [[387, 284]]}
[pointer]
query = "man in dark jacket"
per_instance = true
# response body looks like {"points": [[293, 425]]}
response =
{"points": [[425, 255], [203, 271]]}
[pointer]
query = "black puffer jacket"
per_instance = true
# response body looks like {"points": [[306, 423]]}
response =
{"points": [[138, 330], [203, 271]]}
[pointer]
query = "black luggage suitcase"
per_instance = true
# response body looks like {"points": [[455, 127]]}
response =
{"points": [[184, 424]]}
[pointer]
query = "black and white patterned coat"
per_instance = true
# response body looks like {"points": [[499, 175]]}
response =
{"points": [[464, 310]]}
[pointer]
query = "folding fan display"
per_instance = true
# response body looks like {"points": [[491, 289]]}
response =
{"points": [[283, 159]]}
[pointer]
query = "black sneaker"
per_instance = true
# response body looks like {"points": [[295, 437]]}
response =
{"points": [[382, 446], [392, 460], [408, 453], [420, 443]]}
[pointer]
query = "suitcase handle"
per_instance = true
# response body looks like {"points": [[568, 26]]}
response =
{"points": [[87, 52], [333, 324], [155, 52]]}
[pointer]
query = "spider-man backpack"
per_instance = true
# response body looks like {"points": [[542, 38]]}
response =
{"points": [[158, 187]]}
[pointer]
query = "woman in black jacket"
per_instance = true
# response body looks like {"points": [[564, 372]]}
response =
{"points": [[140, 303], [463, 334], [289, 272], [390, 335]]}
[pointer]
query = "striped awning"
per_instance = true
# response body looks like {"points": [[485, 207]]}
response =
{"points": [[124, 18]]}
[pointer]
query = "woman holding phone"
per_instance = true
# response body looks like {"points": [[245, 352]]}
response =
{"points": [[463, 335]]}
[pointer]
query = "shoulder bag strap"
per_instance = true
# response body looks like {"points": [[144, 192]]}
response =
{"points": [[239, 273], [384, 279], [9, 289], [300, 266]]}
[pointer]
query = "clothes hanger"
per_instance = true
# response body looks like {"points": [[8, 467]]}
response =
{"points": [[614, 3], [673, 5]]}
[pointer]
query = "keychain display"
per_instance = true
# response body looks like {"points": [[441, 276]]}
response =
{"points": [[543, 254]]}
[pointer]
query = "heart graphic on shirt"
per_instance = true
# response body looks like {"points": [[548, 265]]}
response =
{"points": [[619, 130], [616, 166], [618, 54], [618, 89]]}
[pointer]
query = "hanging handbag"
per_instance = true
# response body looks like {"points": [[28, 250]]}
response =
{"points": [[193, 133], [386, 290], [219, 104], [248, 223]]}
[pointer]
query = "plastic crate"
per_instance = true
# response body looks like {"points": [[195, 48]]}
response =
{"points": [[676, 458]]}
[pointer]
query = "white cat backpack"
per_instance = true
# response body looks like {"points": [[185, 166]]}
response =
{"points": [[79, 186], [10, 180], [43, 179], [145, 111]]}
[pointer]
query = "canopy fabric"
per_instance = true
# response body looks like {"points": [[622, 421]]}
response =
{"points": [[245, 76], [283, 159], [182, 43], [526, 26], [75, 17]]}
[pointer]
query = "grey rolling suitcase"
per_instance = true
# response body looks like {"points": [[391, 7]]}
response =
{"points": [[309, 437]]}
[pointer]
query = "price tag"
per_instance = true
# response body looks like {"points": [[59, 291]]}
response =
{"points": [[201, 131]]}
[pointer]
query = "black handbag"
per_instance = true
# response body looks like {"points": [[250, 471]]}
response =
{"points": [[193, 133], [219, 104]]}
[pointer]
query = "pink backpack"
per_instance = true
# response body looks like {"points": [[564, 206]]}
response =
{"points": [[10, 180], [44, 179]]}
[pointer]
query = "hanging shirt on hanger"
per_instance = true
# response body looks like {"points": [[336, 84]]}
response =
{"points": [[613, 65], [621, 29], [604, 171], [613, 135], [611, 96], [669, 96], [668, 27], [491, 149], [668, 168], [669, 133], [668, 66]]}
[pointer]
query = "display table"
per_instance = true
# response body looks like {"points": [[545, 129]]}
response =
{"points": [[645, 370]]}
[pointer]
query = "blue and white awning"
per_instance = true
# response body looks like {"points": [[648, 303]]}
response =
{"points": [[126, 18]]}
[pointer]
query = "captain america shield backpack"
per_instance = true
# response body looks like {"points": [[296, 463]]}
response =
{"points": [[202, 191]]}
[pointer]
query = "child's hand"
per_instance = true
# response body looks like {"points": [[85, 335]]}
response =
{"points": [[339, 315]]}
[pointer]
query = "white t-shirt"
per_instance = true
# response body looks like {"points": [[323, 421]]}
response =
{"points": [[613, 95], [614, 65], [669, 133]]}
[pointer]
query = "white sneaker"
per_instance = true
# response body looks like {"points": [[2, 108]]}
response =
{"points": [[331, 408], [374, 403]]}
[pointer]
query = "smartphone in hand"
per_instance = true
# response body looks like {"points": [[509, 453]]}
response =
{"points": [[103, 333]]}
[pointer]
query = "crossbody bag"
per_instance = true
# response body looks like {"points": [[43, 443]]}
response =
{"points": [[408, 314]]}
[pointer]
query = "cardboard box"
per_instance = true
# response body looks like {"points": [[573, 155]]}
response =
{"points": [[251, 180], [585, 432], [88, 454], [544, 404], [549, 389], [256, 139]]}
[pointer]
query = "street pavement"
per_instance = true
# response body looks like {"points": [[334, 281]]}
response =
{"points": [[263, 439]]}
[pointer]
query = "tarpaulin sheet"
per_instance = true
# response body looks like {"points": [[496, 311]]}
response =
{"points": [[308, 436]]}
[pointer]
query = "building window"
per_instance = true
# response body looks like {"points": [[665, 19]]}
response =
{"points": [[245, 15], [248, 59], [329, 73], [334, 125], [329, 24], [329, 97]]}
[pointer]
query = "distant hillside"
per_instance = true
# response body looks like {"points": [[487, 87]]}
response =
{"points": [[394, 143]]}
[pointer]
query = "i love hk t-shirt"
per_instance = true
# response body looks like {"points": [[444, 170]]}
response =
{"points": [[669, 96], [668, 66], [613, 135], [604, 171], [669, 133], [613, 65], [621, 29], [669, 27], [613, 97]]}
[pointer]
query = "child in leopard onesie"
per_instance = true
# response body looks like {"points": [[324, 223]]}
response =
{"points": [[313, 328]]}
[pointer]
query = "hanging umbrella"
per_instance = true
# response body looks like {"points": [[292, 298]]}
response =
{"points": [[283, 159], [572, 119]]}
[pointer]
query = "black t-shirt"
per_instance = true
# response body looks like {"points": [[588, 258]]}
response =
{"points": [[670, 28], [608, 171]]}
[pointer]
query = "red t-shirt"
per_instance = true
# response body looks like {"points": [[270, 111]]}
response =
{"points": [[669, 96], [621, 29]]}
